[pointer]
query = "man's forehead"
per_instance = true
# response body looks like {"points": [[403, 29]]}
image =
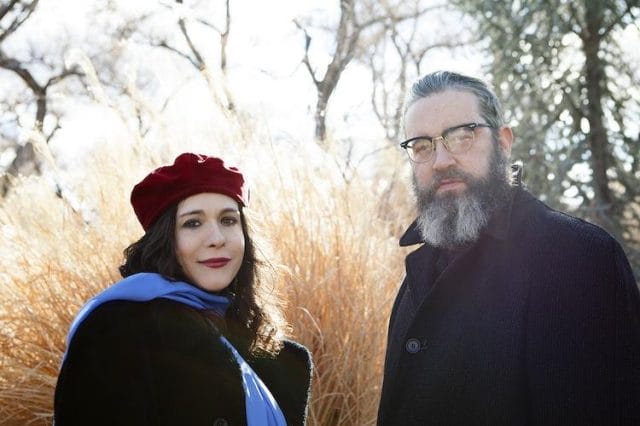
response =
{"points": [[441, 110]]}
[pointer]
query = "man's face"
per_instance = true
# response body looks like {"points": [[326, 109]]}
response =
{"points": [[432, 115], [457, 193]]}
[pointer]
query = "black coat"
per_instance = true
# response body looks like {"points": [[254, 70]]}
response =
{"points": [[162, 363], [538, 323]]}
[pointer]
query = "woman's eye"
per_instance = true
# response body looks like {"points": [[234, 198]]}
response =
{"points": [[191, 223], [229, 221]]}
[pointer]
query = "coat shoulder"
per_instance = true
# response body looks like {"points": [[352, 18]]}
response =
{"points": [[163, 315], [544, 224], [293, 350], [559, 249], [156, 362]]}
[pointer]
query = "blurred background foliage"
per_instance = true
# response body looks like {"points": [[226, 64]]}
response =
{"points": [[308, 101]]}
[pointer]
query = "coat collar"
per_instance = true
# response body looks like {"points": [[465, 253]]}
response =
{"points": [[411, 236], [497, 228]]}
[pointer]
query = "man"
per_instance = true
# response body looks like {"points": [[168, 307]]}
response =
{"points": [[510, 313]]}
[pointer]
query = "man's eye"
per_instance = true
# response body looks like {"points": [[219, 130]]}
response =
{"points": [[456, 139], [460, 136], [421, 146]]}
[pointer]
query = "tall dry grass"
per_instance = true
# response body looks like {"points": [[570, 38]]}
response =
{"points": [[338, 240], [345, 267]]}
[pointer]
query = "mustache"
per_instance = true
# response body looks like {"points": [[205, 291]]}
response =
{"points": [[447, 174]]}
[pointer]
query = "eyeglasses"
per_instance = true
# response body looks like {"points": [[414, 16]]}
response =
{"points": [[456, 140]]}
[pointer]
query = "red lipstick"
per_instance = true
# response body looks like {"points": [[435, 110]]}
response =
{"points": [[215, 262]]}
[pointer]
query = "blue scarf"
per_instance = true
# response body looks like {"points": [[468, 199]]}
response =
{"points": [[262, 408]]}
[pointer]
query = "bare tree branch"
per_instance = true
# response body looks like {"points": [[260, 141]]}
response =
{"points": [[6, 8], [20, 15], [224, 38], [347, 37], [408, 48], [305, 59], [75, 71], [374, 17], [179, 52], [198, 57], [40, 91], [208, 24], [16, 67]]}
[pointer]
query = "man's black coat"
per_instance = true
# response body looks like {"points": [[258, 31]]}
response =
{"points": [[538, 323]]}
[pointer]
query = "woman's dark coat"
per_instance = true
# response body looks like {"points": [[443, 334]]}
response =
{"points": [[538, 323], [162, 363]]}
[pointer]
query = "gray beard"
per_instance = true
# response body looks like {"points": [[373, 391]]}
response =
{"points": [[452, 221]]}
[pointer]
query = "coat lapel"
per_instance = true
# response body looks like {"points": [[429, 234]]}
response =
{"points": [[420, 266]]}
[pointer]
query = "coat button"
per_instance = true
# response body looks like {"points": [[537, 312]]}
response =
{"points": [[413, 346], [220, 422]]}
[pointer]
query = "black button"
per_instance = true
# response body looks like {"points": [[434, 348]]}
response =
{"points": [[413, 346], [220, 422]]}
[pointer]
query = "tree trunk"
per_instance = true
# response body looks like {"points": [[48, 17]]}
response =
{"points": [[598, 140], [321, 115], [41, 109]]}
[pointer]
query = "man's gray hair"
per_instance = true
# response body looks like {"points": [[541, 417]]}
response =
{"points": [[439, 81]]}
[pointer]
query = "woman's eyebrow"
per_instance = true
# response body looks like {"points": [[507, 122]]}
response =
{"points": [[200, 211], [191, 212]]}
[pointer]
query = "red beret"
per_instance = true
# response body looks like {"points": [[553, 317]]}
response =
{"points": [[190, 174]]}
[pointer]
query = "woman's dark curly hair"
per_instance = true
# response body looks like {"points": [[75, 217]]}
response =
{"points": [[254, 306]]}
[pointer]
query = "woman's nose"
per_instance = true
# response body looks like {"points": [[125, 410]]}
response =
{"points": [[215, 235]]}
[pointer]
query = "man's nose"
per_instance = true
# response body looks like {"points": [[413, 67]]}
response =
{"points": [[442, 158]]}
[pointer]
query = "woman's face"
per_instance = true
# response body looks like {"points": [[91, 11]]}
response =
{"points": [[209, 240]]}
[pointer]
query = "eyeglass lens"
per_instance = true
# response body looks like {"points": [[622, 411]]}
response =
{"points": [[456, 142]]}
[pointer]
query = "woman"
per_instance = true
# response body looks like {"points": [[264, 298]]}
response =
{"points": [[191, 335]]}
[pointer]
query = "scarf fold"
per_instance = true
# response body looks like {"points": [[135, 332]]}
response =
{"points": [[261, 406]]}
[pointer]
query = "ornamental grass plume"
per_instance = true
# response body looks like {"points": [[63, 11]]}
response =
{"points": [[55, 255], [337, 239], [345, 266]]}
